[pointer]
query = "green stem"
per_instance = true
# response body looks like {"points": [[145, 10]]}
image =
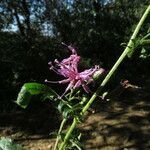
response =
{"points": [[60, 129], [107, 78], [145, 42], [145, 37], [73, 125], [123, 55]]}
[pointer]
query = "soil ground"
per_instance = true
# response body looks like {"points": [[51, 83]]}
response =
{"points": [[119, 124]]}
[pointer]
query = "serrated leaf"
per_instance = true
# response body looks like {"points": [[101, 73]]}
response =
{"points": [[30, 89]]}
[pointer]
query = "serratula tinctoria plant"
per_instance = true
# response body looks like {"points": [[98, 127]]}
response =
{"points": [[129, 48]]}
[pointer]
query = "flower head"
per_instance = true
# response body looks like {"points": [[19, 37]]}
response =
{"points": [[68, 68]]}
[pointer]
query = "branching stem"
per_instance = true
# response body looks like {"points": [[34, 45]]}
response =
{"points": [[128, 48]]}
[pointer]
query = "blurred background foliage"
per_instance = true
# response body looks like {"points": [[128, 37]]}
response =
{"points": [[31, 32]]}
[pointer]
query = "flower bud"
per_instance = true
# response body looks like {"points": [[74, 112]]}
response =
{"points": [[98, 74]]}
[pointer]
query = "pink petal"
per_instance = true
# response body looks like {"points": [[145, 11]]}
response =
{"points": [[64, 81], [51, 81], [78, 83], [70, 86], [85, 87], [72, 49]]}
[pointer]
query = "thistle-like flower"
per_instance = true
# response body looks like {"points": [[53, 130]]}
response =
{"points": [[69, 69]]}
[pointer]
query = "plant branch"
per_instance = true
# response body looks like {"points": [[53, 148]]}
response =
{"points": [[123, 55], [107, 78], [73, 125], [60, 129], [146, 36]]}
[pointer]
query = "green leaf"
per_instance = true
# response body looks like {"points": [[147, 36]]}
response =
{"points": [[60, 106], [8, 144], [37, 88], [148, 31], [132, 48], [76, 144], [23, 98], [30, 89], [144, 53], [131, 53], [66, 112]]}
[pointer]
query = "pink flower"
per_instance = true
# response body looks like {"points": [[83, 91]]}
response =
{"points": [[69, 69]]}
